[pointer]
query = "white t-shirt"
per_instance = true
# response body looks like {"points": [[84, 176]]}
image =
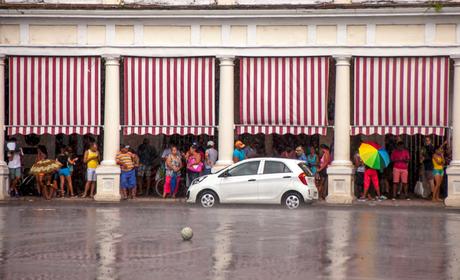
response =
{"points": [[16, 161]]}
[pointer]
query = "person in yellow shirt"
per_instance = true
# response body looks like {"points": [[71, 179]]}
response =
{"points": [[91, 158], [438, 172]]}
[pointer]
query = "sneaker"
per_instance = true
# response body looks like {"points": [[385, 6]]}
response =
{"points": [[362, 199], [407, 198], [382, 197], [393, 199]]}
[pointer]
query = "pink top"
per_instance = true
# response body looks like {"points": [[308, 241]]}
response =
{"points": [[399, 157]]}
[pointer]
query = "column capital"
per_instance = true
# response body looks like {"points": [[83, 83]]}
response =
{"points": [[456, 59], [111, 59], [226, 60], [342, 60]]}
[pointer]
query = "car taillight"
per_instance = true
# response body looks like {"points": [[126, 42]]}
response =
{"points": [[303, 179]]}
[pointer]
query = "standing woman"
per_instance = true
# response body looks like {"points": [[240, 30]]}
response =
{"points": [[438, 172], [322, 170], [312, 160], [64, 172], [91, 158], [194, 164], [173, 167]]}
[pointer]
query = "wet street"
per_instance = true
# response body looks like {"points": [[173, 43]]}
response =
{"points": [[140, 240]]}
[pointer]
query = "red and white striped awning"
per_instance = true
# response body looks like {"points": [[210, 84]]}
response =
{"points": [[283, 95], [169, 95], [54, 95], [401, 95]]}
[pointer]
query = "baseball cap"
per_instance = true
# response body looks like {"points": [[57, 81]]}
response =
{"points": [[210, 143]]}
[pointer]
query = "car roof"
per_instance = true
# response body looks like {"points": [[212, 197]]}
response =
{"points": [[287, 160]]}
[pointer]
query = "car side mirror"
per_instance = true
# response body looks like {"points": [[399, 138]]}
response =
{"points": [[224, 174]]}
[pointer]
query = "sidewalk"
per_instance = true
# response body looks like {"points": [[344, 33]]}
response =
{"points": [[416, 202]]}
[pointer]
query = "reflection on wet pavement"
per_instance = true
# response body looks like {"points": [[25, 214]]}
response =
{"points": [[142, 241]]}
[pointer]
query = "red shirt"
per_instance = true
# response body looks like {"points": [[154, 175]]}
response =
{"points": [[399, 158]]}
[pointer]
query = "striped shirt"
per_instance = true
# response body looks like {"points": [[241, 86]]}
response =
{"points": [[125, 160]]}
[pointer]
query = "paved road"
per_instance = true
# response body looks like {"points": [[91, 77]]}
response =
{"points": [[59, 240]]}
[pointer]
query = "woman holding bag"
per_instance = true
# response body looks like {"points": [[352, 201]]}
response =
{"points": [[194, 164], [173, 166]]}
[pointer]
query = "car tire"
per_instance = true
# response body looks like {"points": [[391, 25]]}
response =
{"points": [[208, 199], [292, 200]]}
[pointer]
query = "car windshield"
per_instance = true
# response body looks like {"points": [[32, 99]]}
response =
{"points": [[305, 169]]}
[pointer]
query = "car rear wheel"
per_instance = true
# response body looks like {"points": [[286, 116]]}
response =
{"points": [[208, 199], [292, 200]]}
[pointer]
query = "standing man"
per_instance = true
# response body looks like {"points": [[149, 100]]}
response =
{"points": [[427, 156], [91, 158], [238, 153], [127, 160], [147, 155], [15, 155], [400, 158], [210, 157]]}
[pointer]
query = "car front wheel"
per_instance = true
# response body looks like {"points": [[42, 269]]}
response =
{"points": [[208, 199], [292, 200]]}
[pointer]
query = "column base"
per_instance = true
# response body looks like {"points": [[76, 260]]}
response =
{"points": [[108, 183], [340, 184], [453, 186], [4, 181], [221, 164]]}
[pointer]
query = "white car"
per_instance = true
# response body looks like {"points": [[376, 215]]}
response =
{"points": [[258, 180]]}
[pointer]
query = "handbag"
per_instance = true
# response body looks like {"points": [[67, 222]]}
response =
{"points": [[196, 167]]}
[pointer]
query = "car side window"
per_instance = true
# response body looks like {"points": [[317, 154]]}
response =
{"points": [[248, 168], [273, 167]]}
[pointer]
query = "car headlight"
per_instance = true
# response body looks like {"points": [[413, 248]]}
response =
{"points": [[199, 180]]}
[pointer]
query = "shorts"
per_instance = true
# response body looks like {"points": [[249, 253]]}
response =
{"points": [[64, 172], [429, 175], [439, 172], [400, 175], [91, 174], [359, 178], [128, 179], [15, 173], [144, 170]]}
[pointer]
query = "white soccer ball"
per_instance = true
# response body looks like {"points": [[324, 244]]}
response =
{"points": [[186, 233]]}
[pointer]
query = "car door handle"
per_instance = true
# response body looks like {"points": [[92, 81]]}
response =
{"points": [[251, 180], [286, 177]]}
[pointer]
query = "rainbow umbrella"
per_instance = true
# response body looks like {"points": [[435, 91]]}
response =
{"points": [[373, 155]]}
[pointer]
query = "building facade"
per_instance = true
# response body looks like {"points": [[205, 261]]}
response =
{"points": [[159, 64]]}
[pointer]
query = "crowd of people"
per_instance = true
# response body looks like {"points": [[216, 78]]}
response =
{"points": [[141, 167], [395, 178]]}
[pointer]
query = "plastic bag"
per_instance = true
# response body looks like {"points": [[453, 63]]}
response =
{"points": [[418, 189]]}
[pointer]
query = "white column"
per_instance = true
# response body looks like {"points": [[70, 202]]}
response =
{"points": [[453, 171], [226, 113], [108, 173], [4, 182], [340, 173]]}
